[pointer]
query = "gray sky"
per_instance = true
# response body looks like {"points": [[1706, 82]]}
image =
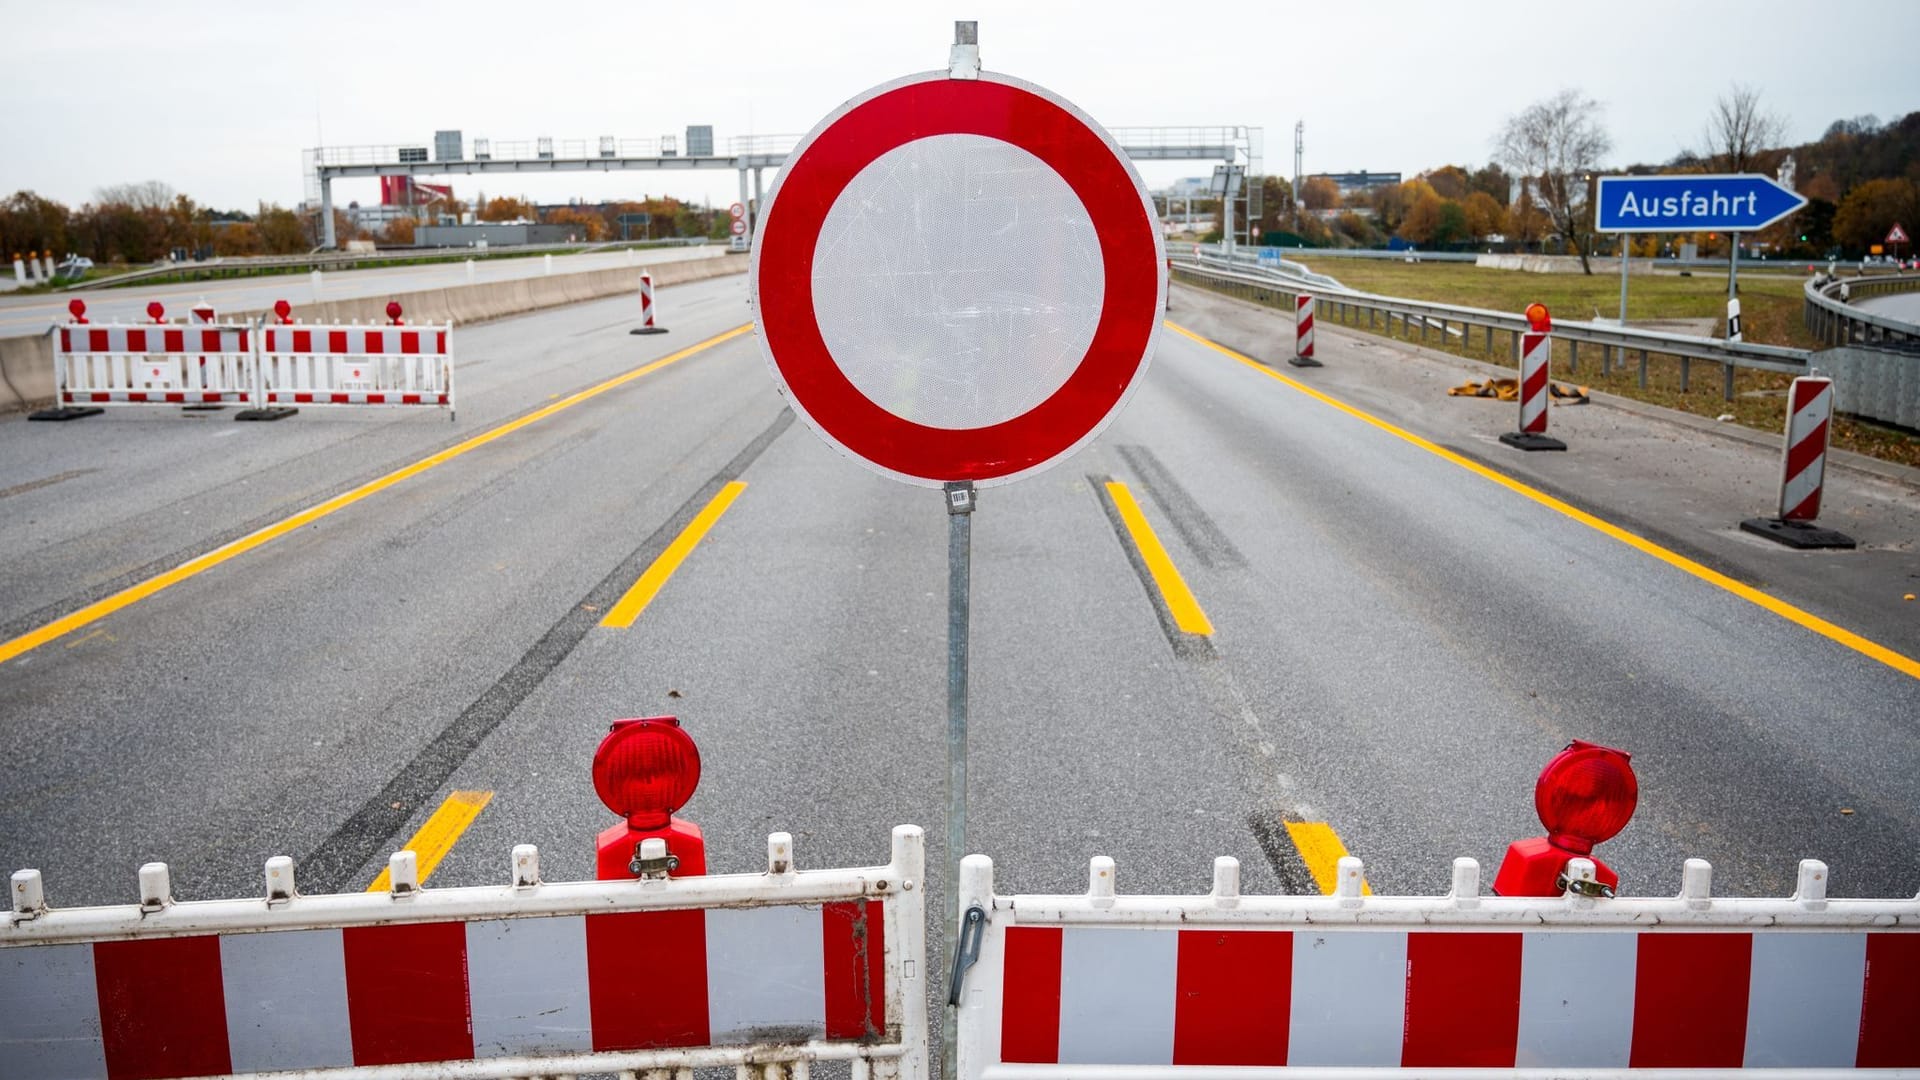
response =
{"points": [[218, 99]]}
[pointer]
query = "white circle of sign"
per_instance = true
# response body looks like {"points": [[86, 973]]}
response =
{"points": [[958, 279], [1002, 252]]}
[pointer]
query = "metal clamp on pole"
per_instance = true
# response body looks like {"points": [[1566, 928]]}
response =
{"points": [[968, 952]]}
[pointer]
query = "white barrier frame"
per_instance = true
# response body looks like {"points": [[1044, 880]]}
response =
{"points": [[900, 884], [118, 367], [1463, 907], [271, 365]]}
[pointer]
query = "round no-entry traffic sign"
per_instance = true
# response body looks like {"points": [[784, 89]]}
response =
{"points": [[958, 279], [739, 227], [736, 211]]}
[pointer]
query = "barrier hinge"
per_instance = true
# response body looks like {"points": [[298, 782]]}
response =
{"points": [[967, 952]]}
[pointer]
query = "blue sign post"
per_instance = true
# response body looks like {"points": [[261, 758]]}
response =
{"points": [[1732, 203]]}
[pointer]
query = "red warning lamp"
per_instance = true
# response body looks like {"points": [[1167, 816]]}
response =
{"points": [[1538, 318], [1584, 797], [393, 312], [283, 311], [156, 312], [77, 308], [644, 770]]}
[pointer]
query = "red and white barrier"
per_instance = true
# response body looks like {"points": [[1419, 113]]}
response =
{"points": [[1303, 307], [158, 364], [356, 365], [1803, 467], [533, 978], [1092, 986], [646, 307], [1536, 354]]}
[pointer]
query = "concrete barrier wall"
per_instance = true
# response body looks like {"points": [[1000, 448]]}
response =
{"points": [[26, 363]]}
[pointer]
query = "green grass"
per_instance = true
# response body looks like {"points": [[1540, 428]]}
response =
{"points": [[1770, 309]]}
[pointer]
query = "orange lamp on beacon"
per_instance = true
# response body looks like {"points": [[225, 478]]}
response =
{"points": [[1584, 796], [1539, 319], [644, 770]]}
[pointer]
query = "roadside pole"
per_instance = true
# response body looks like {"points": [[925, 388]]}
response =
{"points": [[1733, 290], [1625, 252]]}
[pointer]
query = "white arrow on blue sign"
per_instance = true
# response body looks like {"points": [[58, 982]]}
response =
{"points": [[1742, 202]]}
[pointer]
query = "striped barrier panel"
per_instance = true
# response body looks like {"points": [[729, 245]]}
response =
{"points": [[154, 364], [530, 978], [1803, 468], [1534, 352], [1303, 326], [1104, 987], [356, 366]]}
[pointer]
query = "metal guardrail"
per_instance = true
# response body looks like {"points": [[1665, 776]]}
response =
{"points": [[243, 266], [1458, 324], [1829, 317]]}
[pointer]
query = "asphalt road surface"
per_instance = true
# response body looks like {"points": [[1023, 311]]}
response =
{"points": [[24, 315], [1400, 639], [1903, 306]]}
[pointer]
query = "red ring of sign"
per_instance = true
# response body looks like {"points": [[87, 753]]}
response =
{"points": [[919, 110]]}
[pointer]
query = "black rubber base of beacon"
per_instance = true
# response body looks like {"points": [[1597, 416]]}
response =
{"points": [[265, 414], [1522, 440], [66, 412], [1304, 361], [1798, 535], [649, 330]]}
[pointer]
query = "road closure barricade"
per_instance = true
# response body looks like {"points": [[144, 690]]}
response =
{"points": [[756, 971], [302, 366], [99, 365], [1104, 986]]}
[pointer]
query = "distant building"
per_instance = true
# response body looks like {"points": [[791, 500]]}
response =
{"points": [[1351, 183]]}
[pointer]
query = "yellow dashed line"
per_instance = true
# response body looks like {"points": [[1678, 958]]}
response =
{"points": [[439, 834], [1187, 614], [1320, 848], [644, 590]]}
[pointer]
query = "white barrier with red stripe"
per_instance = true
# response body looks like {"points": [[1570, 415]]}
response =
{"points": [[1803, 467], [356, 365], [1105, 987], [531, 978], [154, 364], [1536, 350], [1303, 304]]}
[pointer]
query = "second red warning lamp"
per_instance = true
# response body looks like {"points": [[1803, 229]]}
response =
{"points": [[1584, 796], [644, 770]]}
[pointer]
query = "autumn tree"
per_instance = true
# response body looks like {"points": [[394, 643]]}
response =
{"points": [[399, 231], [505, 208], [1872, 208], [1320, 193], [281, 231], [1422, 217], [1449, 182], [1526, 222], [1493, 180], [586, 226], [1484, 216], [1558, 144], [29, 222], [235, 239]]}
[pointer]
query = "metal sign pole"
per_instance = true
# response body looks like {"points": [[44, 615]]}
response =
{"points": [[1625, 252], [960, 502]]}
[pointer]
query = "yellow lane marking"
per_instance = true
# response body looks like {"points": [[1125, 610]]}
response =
{"points": [[1906, 665], [1173, 588], [439, 834], [133, 594], [1320, 848], [644, 590]]}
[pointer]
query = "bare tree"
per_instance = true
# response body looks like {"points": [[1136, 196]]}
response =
{"points": [[1555, 146], [1740, 136], [146, 195]]}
